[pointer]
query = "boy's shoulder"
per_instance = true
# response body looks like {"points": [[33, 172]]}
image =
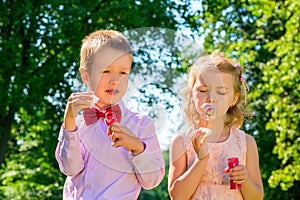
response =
{"points": [[129, 115], [138, 117]]}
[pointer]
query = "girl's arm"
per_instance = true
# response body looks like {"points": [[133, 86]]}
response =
{"points": [[182, 183], [252, 187]]}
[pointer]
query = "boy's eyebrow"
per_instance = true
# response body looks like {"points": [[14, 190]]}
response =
{"points": [[126, 67]]}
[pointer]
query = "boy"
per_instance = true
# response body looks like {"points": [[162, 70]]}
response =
{"points": [[105, 160]]}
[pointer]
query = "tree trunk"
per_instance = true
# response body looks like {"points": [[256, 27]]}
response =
{"points": [[5, 129]]}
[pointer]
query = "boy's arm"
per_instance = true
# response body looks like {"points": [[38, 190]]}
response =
{"points": [[68, 153], [149, 165], [149, 168]]}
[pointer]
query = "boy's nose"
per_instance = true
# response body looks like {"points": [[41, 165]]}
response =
{"points": [[114, 78]]}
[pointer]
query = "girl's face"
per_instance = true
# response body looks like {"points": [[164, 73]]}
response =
{"points": [[109, 74], [215, 88]]}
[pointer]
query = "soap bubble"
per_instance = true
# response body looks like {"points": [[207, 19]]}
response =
{"points": [[208, 111]]}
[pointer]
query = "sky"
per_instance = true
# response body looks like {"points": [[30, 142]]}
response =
{"points": [[167, 122]]}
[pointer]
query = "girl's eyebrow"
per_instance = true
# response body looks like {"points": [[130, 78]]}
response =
{"points": [[222, 87]]}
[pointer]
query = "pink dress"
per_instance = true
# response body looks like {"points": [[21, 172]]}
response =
{"points": [[215, 183]]}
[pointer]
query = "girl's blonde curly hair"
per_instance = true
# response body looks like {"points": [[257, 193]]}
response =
{"points": [[236, 114]]}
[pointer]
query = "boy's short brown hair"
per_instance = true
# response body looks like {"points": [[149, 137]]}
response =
{"points": [[97, 41]]}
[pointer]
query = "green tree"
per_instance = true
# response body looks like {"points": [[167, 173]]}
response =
{"points": [[264, 37], [39, 44]]}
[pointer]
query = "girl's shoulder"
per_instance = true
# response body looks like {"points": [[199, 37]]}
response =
{"points": [[179, 145], [183, 137], [239, 133], [246, 136]]}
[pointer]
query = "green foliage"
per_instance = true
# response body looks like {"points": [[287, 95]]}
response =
{"points": [[281, 81], [264, 37], [40, 43]]}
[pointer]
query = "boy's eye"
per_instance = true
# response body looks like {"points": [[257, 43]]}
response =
{"points": [[124, 73], [105, 71]]}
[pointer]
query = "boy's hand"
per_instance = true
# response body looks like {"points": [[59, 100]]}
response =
{"points": [[76, 102], [122, 136]]}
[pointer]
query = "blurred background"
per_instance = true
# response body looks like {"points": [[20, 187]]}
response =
{"points": [[40, 44]]}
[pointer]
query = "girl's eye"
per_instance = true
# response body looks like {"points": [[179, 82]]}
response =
{"points": [[124, 73], [222, 92], [202, 90]]}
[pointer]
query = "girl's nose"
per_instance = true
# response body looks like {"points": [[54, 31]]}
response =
{"points": [[211, 99]]}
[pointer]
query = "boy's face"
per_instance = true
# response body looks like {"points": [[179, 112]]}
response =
{"points": [[108, 76]]}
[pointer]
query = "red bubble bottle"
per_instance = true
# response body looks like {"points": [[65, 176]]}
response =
{"points": [[232, 162], [109, 119]]}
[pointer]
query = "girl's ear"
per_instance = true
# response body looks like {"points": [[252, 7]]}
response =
{"points": [[235, 98]]}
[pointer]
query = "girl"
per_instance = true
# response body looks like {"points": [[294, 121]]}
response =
{"points": [[198, 161]]}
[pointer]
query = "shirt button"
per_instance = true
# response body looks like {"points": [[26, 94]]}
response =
{"points": [[88, 186]]}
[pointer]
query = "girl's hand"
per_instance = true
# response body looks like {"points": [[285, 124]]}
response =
{"points": [[237, 174], [122, 136], [76, 102], [199, 144]]}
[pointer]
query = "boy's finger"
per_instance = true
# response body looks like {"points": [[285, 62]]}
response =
{"points": [[82, 93], [116, 143], [226, 170]]}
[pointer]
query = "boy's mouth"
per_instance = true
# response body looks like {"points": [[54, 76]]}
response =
{"points": [[112, 91]]}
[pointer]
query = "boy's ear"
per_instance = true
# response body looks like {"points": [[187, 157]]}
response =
{"points": [[85, 76]]}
